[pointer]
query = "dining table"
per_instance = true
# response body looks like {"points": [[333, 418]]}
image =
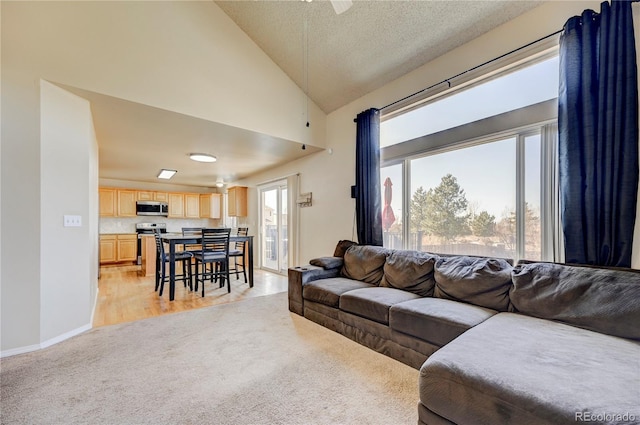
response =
{"points": [[174, 239]]}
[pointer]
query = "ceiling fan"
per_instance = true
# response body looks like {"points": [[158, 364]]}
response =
{"points": [[340, 6]]}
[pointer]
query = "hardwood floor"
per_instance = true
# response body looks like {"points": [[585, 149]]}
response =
{"points": [[124, 295]]}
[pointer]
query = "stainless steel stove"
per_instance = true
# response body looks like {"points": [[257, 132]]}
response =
{"points": [[150, 228]]}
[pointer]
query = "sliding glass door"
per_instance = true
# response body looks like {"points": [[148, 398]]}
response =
{"points": [[273, 227]]}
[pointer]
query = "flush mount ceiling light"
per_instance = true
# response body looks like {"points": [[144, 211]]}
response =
{"points": [[202, 157], [166, 174], [219, 183]]}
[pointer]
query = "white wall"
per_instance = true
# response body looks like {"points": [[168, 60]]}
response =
{"points": [[186, 57], [68, 173], [329, 177], [20, 193]]}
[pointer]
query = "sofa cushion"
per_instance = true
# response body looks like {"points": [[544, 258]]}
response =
{"points": [[599, 299], [365, 263], [481, 281], [515, 369], [342, 247], [327, 263], [436, 320], [328, 291], [411, 271], [373, 303]]}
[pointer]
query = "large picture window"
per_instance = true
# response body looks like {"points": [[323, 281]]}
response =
{"points": [[463, 201], [477, 188]]}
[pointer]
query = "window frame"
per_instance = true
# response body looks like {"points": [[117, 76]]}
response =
{"points": [[539, 118]]}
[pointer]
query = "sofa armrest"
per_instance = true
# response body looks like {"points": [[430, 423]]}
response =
{"points": [[298, 276]]}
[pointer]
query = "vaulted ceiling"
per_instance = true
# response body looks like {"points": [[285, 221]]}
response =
{"points": [[366, 47], [338, 59]]}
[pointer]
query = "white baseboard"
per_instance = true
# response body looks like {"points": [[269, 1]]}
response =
{"points": [[65, 335], [21, 350], [52, 341], [45, 344]]}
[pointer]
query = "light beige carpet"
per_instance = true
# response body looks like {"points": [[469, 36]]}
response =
{"points": [[249, 362]]}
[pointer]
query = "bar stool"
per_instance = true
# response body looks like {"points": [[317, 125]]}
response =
{"points": [[238, 252], [215, 251], [162, 259]]}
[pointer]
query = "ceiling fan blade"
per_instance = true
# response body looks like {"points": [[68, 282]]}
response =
{"points": [[341, 6]]}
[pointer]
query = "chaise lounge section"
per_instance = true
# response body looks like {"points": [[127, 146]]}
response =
{"points": [[538, 343]]}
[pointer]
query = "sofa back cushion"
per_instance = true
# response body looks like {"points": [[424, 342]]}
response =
{"points": [[342, 247], [365, 263], [411, 271], [476, 280], [602, 300]]}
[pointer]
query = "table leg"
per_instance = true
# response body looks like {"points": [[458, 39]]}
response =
{"points": [[250, 262], [172, 270]]}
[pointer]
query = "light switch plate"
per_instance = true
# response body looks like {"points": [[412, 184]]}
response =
{"points": [[72, 221]]}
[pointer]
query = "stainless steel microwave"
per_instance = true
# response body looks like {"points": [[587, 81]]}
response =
{"points": [[152, 208]]}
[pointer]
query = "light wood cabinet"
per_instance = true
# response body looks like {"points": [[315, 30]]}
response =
{"points": [[161, 197], [118, 248], [210, 204], [150, 195], [108, 249], [127, 247], [116, 202], [176, 205], [127, 203], [107, 201], [192, 205], [146, 195], [237, 199]]}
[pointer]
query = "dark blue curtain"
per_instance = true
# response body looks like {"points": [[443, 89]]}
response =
{"points": [[367, 190], [598, 135]]}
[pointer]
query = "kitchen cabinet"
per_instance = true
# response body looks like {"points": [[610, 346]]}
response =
{"points": [[210, 204], [237, 200], [115, 202], [192, 205], [161, 197], [115, 248], [127, 202], [176, 205], [107, 200], [108, 249], [146, 195], [127, 247], [150, 195]]}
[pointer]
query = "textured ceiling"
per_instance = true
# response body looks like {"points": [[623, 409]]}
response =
{"points": [[369, 45]]}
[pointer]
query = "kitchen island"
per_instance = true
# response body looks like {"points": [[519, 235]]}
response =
{"points": [[148, 253]]}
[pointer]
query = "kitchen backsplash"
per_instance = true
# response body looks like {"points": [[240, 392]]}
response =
{"points": [[128, 225]]}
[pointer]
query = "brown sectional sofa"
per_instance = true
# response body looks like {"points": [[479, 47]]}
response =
{"points": [[535, 343]]}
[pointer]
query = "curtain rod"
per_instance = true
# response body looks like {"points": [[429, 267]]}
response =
{"points": [[448, 80]]}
